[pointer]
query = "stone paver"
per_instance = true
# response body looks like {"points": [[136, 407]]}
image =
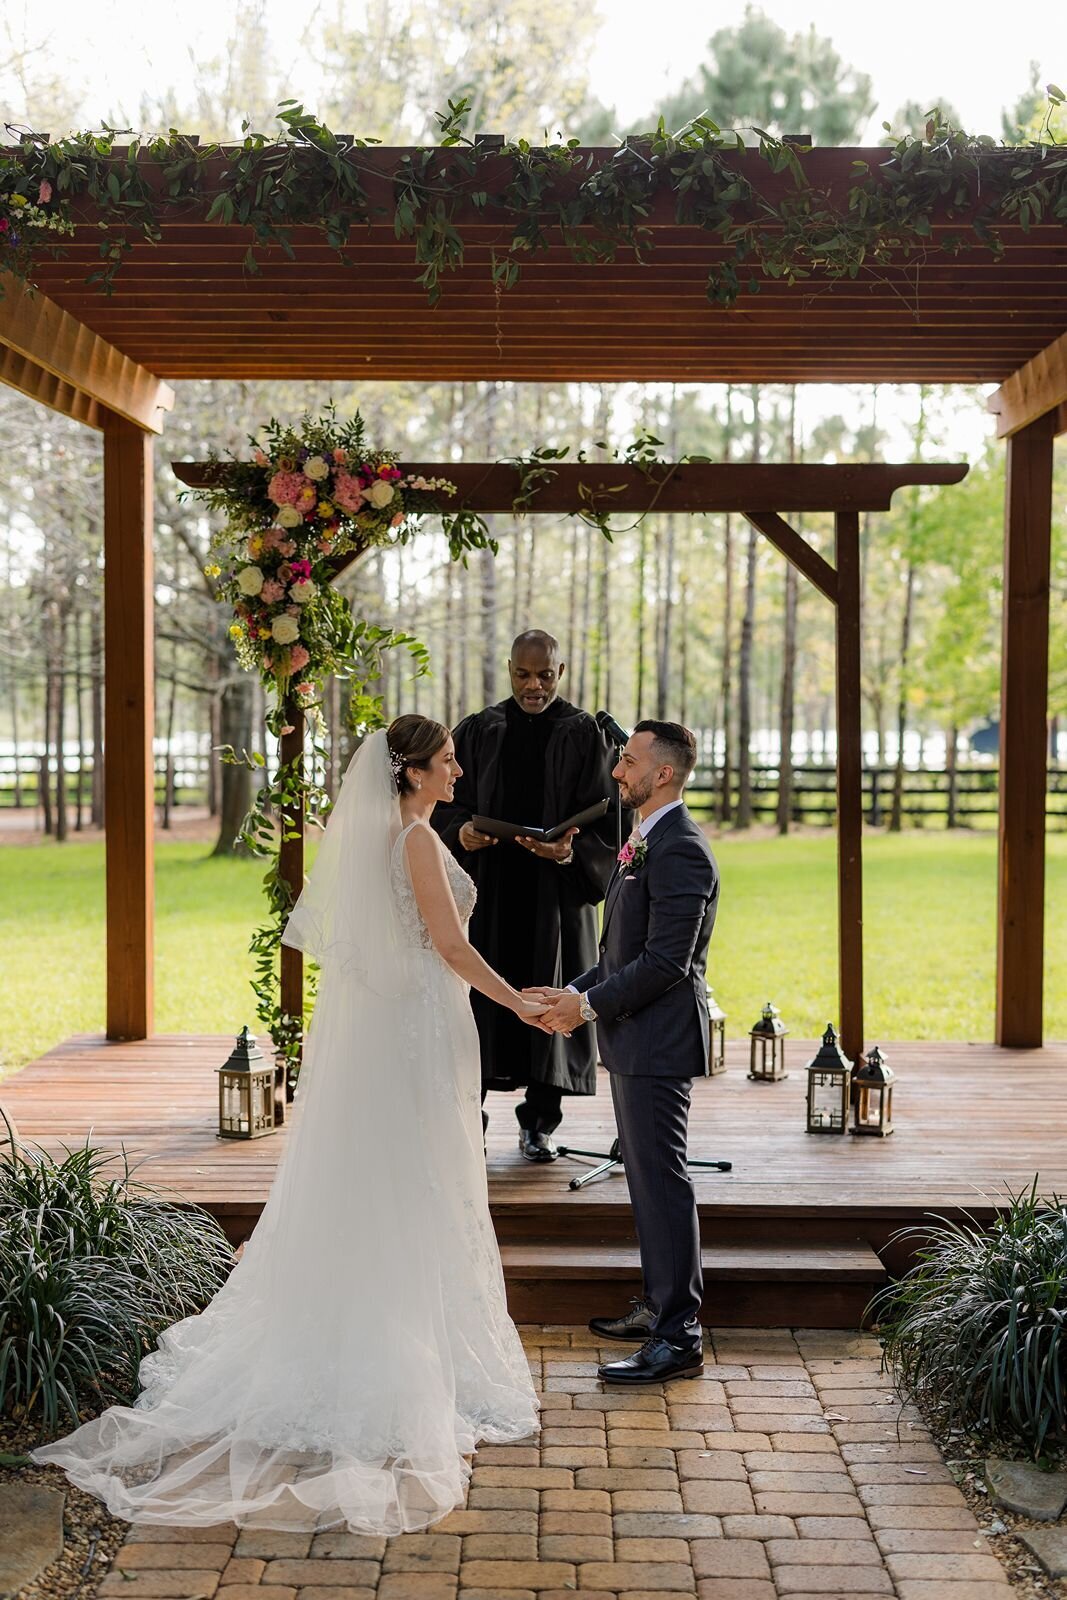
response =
{"points": [[790, 1471], [31, 1522]]}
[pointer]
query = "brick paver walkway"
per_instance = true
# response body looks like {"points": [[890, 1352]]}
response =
{"points": [[788, 1470]]}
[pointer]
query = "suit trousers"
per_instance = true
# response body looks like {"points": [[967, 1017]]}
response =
{"points": [[652, 1117]]}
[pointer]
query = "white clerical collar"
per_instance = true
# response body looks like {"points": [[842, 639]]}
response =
{"points": [[646, 824]]}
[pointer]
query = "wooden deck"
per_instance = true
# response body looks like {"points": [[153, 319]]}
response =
{"points": [[797, 1215]]}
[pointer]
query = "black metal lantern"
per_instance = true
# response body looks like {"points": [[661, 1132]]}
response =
{"points": [[872, 1096], [716, 1037], [766, 1058], [246, 1091], [829, 1086]]}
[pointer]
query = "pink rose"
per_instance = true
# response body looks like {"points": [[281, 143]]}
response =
{"points": [[340, 455], [285, 572], [298, 658], [286, 547], [305, 688], [44, 193], [285, 488], [260, 459], [271, 592], [397, 520]]}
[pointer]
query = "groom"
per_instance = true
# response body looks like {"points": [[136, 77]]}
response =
{"points": [[648, 997]]}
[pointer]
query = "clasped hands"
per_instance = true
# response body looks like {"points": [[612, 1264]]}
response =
{"points": [[563, 1012]]}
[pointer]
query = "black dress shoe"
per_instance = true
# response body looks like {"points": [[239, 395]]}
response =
{"points": [[656, 1362], [536, 1146], [635, 1325]]}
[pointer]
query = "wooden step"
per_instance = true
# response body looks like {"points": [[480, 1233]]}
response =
{"points": [[815, 1285]]}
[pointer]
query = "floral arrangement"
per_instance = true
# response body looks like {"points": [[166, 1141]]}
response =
{"points": [[25, 217], [632, 855], [308, 496]]}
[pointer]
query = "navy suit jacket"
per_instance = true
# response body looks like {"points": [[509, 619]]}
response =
{"points": [[649, 987]]}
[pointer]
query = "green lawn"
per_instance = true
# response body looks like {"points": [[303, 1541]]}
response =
{"points": [[929, 912]]}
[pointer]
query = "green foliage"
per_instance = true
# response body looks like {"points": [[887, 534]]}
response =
{"points": [[311, 177], [93, 1267], [977, 1329]]}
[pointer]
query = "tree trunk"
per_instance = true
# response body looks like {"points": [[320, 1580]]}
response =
{"points": [[896, 814], [639, 618], [683, 660], [79, 724], [787, 697], [44, 782], [96, 714], [168, 741], [744, 665], [236, 785], [587, 596], [487, 570], [13, 702], [447, 652], [60, 679], [952, 774]]}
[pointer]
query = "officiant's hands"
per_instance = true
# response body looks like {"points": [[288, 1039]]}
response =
{"points": [[561, 851], [471, 839]]}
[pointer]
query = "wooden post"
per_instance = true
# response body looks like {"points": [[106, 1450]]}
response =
{"points": [[849, 785], [128, 727], [291, 860], [1023, 735]]}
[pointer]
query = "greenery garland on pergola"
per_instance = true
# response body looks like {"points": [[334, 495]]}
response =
{"points": [[781, 228]]}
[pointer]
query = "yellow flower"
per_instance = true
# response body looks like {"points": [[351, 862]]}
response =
{"points": [[235, 630], [19, 200], [212, 571], [255, 545], [325, 509]]}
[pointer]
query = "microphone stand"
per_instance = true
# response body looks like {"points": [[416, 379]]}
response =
{"points": [[611, 1160]]}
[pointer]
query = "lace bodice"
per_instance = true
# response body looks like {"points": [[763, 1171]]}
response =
{"points": [[461, 883]]}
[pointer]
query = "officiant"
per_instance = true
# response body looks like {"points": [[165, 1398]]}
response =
{"points": [[535, 759]]}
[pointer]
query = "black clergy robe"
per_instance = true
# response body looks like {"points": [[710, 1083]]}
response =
{"points": [[535, 921]]}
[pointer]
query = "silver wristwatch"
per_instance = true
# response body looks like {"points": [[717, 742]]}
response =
{"points": [[586, 1010]]}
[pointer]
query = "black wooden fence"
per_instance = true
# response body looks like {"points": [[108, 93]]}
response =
{"points": [[925, 796]]}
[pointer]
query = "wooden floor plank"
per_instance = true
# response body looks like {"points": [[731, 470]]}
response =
{"points": [[972, 1121]]}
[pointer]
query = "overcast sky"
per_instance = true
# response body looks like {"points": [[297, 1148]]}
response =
{"points": [[977, 54]]}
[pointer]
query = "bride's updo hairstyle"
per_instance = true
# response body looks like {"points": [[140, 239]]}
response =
{"points": [[413, 742]]}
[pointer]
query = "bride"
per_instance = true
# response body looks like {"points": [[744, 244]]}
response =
{"points": [[361, 1346]]}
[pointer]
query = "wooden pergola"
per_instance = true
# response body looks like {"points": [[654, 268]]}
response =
{"points": [[185, 307]]}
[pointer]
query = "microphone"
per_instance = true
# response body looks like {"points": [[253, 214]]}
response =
{"points": [[606, 722]]}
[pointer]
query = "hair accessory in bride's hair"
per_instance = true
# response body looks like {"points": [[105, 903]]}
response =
{"points": [[397, 762]]}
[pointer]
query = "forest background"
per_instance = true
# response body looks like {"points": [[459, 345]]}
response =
{"points": [[690, 618]]}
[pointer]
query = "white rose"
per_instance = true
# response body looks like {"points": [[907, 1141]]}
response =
{"points": [[250, 580], [288, 517], [285, 630], [379, 494], [316, 469], [301, 591]]}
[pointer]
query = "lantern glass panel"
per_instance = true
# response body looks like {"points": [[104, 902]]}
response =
{"points": [[826, 1101]]}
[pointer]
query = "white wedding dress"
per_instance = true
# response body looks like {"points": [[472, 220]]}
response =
{"points": [[362, 1344]]}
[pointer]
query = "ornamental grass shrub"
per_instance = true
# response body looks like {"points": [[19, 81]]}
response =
{"points": [[93, 1266], [976, 1329]]}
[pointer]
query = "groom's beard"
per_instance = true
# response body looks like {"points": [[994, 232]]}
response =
{"points": [[635, 795]]}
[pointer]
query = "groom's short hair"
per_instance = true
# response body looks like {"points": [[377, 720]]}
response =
{"points": [[673, 744]]}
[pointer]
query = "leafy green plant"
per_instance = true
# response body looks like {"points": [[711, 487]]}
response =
{"points": [[976, 1329], [93, 1267]]}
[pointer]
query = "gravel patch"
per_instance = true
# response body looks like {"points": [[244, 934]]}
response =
{"points": [[91, 1537]]}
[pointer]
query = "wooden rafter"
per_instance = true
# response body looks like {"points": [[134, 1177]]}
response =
{"points": [[796, 549], [20, 373], [55, 343], [1038, 386]]}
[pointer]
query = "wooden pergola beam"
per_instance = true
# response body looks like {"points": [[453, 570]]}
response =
{"points": [[796, 549], [54, 342], [128, 727], [1035, 388], [1024, 735], [691, 487], [19, 372]]}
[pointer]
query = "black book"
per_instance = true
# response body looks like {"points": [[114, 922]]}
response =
{"points": [[516, 830]]}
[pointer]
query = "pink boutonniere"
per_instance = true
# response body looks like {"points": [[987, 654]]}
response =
{"points": [[632, 855]]}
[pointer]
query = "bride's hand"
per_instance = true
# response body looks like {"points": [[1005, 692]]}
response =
{"points": [[531, 1011]]}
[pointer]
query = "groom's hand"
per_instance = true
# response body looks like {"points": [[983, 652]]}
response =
{"points": [[565, 1014]]}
